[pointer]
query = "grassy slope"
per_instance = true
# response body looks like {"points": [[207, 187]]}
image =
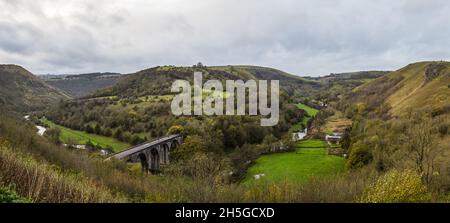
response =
{"points": [[81, 137], [21, 91], [311, 112], [298, 166], [414, 91]]}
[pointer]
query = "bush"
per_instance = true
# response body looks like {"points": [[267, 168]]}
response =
{"points": [[176, 129], [53, 134], [8, 195], [359, 156], [397, 187], [192, 145], [443, 129]]}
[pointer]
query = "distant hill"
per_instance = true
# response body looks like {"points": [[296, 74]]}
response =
{"points": [[158, 80], [292, 84], [359, 75], [349, 76], [21, 91], [423, 85], [82, 84]]}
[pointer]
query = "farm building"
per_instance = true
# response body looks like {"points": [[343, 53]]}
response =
{"points": [[335, 138]]}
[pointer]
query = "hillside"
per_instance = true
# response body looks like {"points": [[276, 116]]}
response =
{"points": [[292, 84], [21, 91], [423, 85], [82, 84], [359, 75], [158, 80]]}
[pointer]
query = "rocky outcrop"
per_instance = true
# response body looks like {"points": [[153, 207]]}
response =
{"points": [[433, 71]]}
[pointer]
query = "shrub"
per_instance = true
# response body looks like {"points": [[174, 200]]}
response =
{"points": [[397, 187], [192, 144], [8, 195], [176, 129], [359, 156], [443, 129]]}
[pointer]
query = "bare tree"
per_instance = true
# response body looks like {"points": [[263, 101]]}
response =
{"points": [[422, 148]]}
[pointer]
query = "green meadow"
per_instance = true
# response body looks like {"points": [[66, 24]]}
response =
{"points": [[310, 111], [308, 160], [81, 138]]}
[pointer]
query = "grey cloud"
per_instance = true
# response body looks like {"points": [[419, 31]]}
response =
{"points": [[301, 37]]}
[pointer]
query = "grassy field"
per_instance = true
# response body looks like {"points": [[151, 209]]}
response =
{"points": [[80, 137], [298, 166], [309, 110]]}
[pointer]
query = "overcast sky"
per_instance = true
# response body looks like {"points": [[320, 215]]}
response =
{"points": [[298, 36]]}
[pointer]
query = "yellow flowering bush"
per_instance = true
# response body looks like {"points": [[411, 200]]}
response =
{"points": [[397, 187]]}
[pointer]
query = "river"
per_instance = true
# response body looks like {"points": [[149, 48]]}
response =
{"points": [[300, 135], [41, 129]]}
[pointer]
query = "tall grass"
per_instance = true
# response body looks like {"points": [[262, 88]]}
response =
{"points": [[41, 182]]}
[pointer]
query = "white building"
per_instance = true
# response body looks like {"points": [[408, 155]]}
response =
{"points": [[335, 138]]}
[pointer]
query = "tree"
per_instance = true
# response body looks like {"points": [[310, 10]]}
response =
{"points": [[192, 144], [319, 121], [107, 132], [118, 134], [422, 148], [54, 134], [199, 65], [346, 138], [127, 137], [135, 140], [176, 129], [359, 156], [97, 129], [89, 129]]}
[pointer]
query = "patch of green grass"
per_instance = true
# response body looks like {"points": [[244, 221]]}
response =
{"points": [[81, 138], [312, 143], [296, 127], [296, 167], [310, 111]]}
